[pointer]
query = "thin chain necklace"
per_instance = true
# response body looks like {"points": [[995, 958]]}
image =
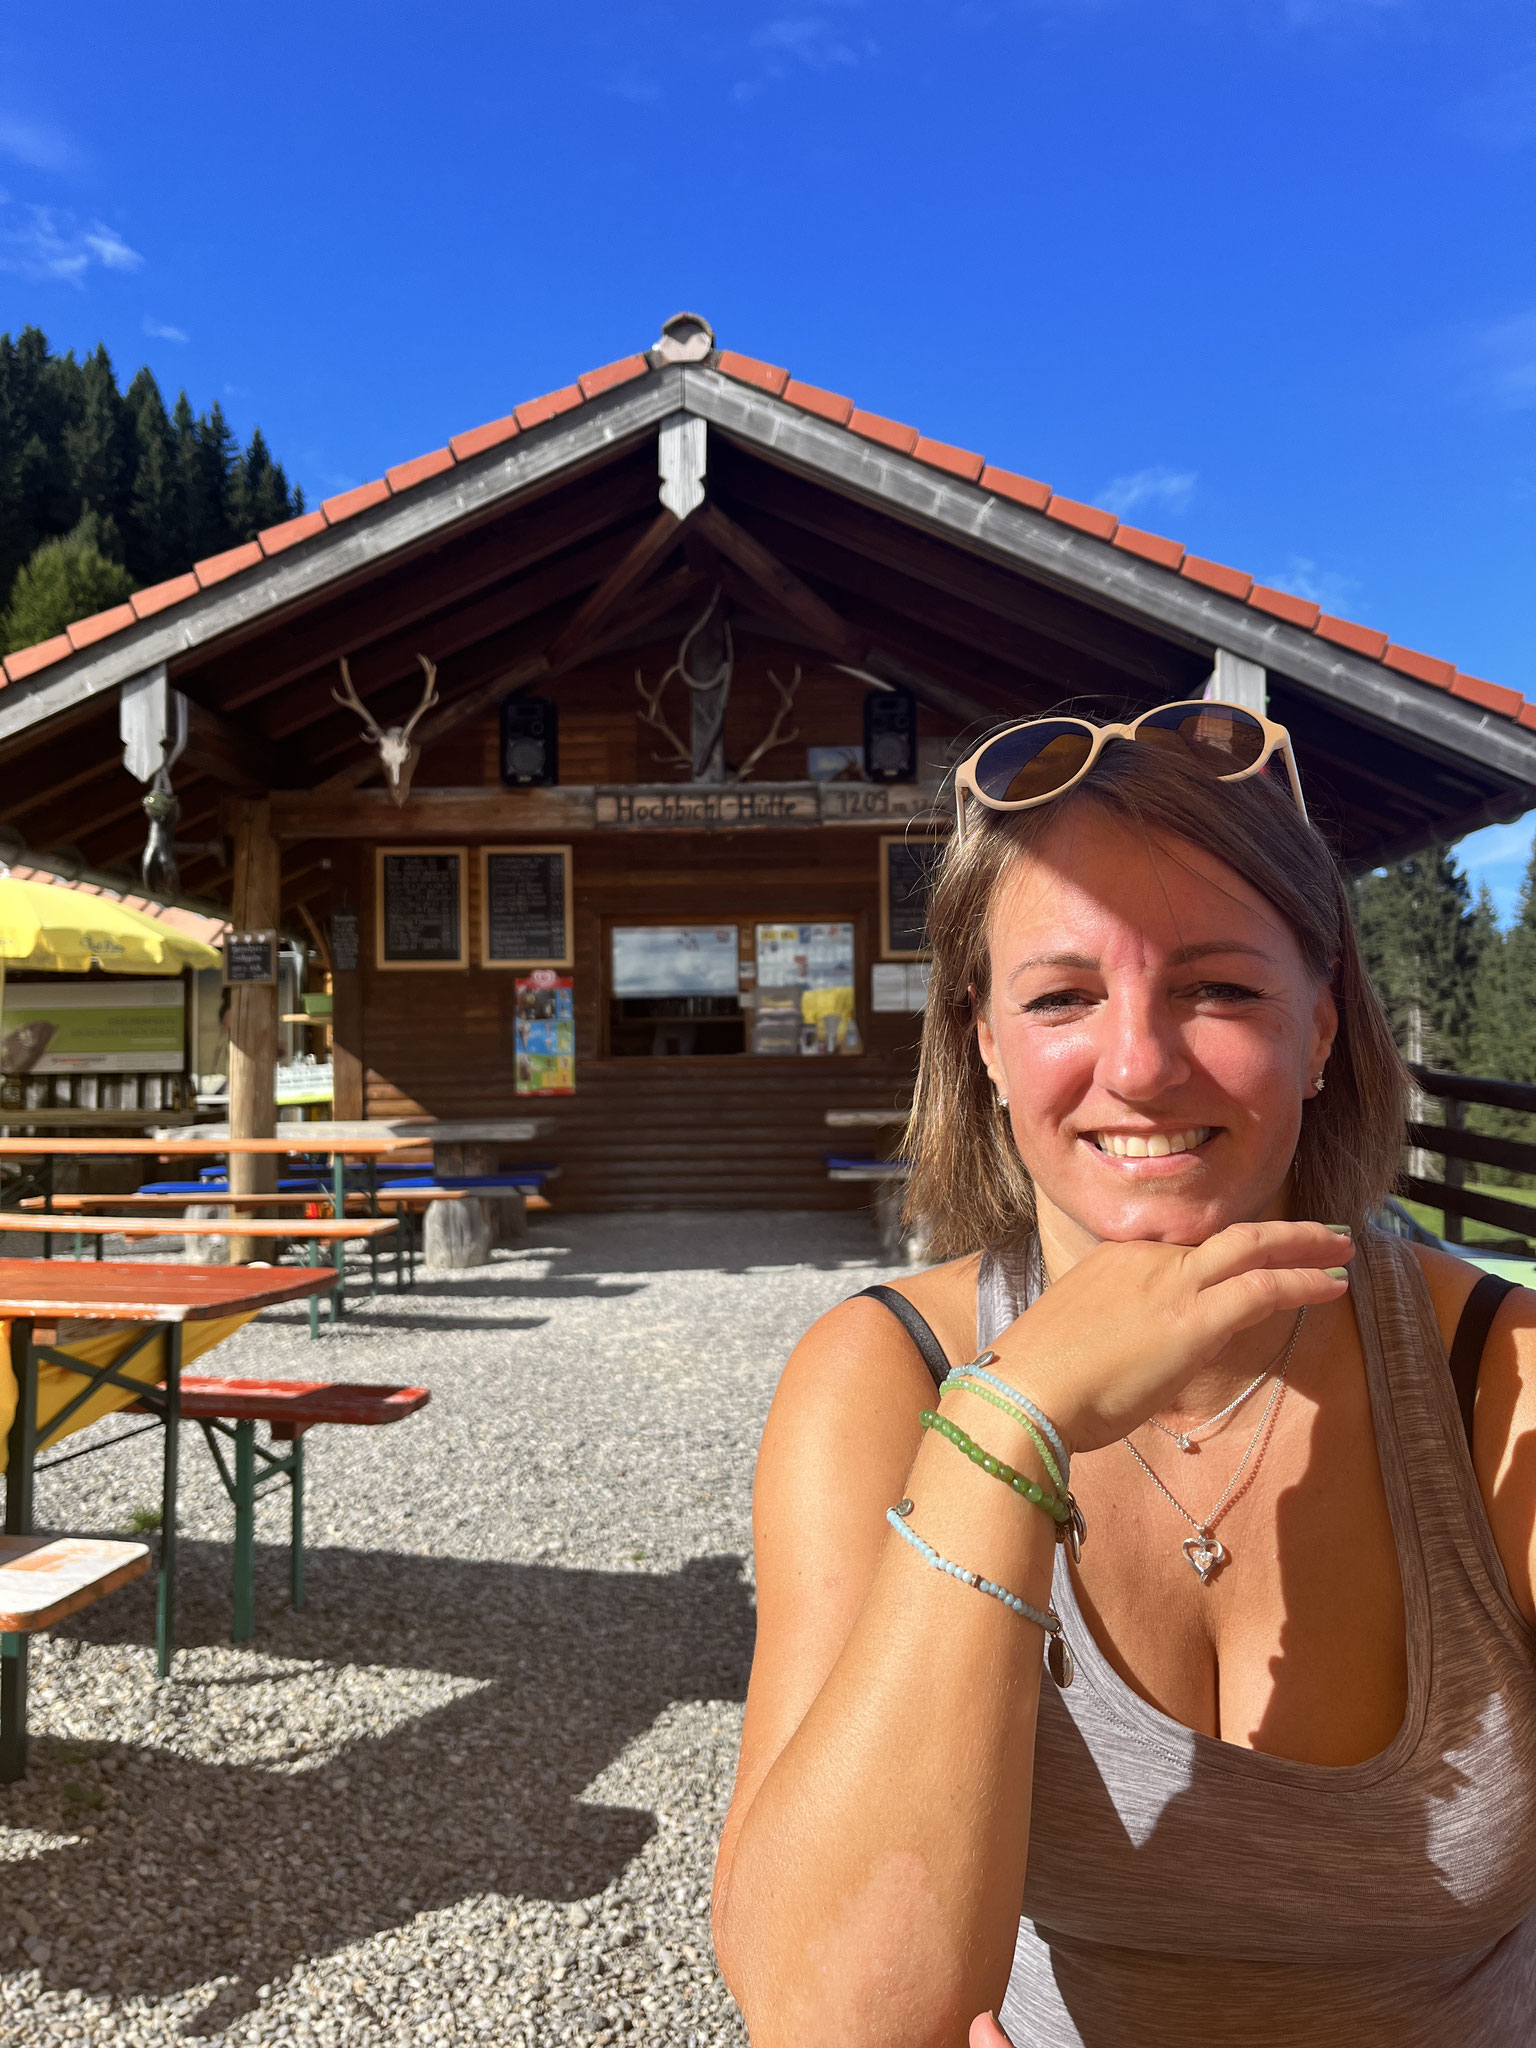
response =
{"points": [[1205, 1553], [1190, 1439]]}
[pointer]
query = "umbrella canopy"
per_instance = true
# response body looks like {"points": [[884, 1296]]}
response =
{"points": [[69, 932]]}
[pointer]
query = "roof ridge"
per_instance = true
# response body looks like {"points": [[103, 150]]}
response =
{"points": [[960, 463]]}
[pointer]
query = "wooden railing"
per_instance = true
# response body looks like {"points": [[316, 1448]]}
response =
{"points": [[1459, 1148]]}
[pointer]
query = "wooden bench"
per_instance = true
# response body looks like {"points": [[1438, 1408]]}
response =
{"points": [[889, 1177], [320, 1230], [43, 1582], [228, 1411]]}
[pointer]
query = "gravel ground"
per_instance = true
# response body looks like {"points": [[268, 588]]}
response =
{"points": [[471, 1792]]}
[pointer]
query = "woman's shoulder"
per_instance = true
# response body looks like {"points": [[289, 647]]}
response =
{"points": [[859, 1351]]}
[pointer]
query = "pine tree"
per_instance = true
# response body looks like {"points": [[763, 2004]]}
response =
{"points": [[164, 492], [156, 526], [64, 580]]}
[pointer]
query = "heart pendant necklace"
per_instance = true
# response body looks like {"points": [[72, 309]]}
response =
{"points": [[1204, 1553]]}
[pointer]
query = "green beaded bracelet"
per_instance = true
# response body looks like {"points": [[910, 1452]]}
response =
{"points": [[970, 1386], [1029, 1489]]}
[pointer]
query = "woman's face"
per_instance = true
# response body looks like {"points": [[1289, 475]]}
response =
{"points": [[1155, 1030]]}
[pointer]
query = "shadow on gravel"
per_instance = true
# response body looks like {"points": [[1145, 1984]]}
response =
{"points": [[704, 1241], [296, 1859]]}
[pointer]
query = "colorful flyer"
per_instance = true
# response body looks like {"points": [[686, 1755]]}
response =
{"points": [[545, 1026]]}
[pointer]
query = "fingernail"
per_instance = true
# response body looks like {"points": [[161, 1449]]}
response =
{"points": [[1336, 1272], [1339, 1229]]}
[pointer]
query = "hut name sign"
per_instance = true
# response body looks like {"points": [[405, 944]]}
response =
{"points": [[685, 806]]}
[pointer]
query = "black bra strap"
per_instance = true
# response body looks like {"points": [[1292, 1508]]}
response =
{"points": [[914, 1325], [1477, 1315]]}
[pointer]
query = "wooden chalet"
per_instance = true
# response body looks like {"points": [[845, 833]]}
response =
{"points": [[807, 580]]}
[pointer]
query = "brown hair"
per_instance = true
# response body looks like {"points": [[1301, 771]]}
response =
{"points": [[968, 1188]]}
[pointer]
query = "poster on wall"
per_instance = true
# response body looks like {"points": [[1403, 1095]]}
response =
{"points": [[86, 1027], [805, 990], [545, 1032], [422, 919], [674, 960]]}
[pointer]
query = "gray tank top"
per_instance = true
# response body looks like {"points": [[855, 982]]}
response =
{"points": [[1183, 1890]]}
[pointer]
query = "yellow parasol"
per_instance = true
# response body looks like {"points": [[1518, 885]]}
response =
{"points": [[69, 932]]}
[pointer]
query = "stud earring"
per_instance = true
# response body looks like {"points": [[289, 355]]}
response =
{"points": [[1317, 1085], [1002, 1102]]}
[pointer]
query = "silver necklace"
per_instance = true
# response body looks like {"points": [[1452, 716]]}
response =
{"points": [[1189, 1439], [1205, 1553]]}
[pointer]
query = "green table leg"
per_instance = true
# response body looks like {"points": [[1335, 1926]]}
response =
{"points": [[243, 1626], [314, 1317], [165, 1602], [296, 1530], [21, 1450]]}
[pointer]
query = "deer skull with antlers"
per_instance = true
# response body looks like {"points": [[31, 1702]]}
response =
{"points": [[396, 752]]}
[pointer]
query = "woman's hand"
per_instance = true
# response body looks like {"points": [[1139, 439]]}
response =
{"points": [[986, 2033], [1116, 1338]]}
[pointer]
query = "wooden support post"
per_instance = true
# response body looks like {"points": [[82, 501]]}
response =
{"points": [[1452, 1173], [253, 1011], [348, 1089]]}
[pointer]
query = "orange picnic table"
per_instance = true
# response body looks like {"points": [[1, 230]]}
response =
{"points": [[143, 1367]]}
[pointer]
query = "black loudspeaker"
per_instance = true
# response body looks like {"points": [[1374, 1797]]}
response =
{"points": [[530, 742], [890, 736]]}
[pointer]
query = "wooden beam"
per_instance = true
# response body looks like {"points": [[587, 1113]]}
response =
{"points": [[226, 751], [591, 616], [796, 599], [436, 813], [253, 1009]]}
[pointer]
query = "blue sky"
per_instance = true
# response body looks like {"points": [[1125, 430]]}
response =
{"points": [[1259, 273]]}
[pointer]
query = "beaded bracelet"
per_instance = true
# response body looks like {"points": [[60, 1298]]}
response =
{"points": [[975, 1371], [966, 1384], [1042, 1618], [1056, 1508]]}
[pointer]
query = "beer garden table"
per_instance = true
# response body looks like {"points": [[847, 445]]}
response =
{"points": [[160, 1298], [337, 1149]]}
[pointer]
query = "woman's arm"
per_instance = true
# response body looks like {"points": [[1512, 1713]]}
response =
{"points": [[1504, 1419], [871, 1870], [873, 1862]]}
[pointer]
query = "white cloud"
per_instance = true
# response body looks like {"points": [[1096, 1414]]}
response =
{"points": [[160, 330], [37, 145], [634, 87], [1502, 355], [1499, 856], [809, 40], [42, 243], [1302, 577], [1171, 489]]}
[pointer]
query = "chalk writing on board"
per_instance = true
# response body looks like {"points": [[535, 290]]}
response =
{"points": [[421, 912], [907, 871], [344, 940], [526, 907], [250, 956]]}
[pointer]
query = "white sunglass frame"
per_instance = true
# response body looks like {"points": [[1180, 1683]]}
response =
{"points": [[1276, 740]]}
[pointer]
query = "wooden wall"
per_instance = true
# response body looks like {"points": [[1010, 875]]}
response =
{"points": [[740, 1132]]}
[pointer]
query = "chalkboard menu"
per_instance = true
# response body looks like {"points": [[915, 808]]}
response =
{"points": [[421, 919], [250, 957], [907, 869], [525, 906], [344, 940]]}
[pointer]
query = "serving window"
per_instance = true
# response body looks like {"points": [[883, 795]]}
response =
{"points": [[781, 989]]}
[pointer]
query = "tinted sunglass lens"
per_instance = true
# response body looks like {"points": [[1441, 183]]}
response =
{"points": [[1032, 761], [1223, 738]]}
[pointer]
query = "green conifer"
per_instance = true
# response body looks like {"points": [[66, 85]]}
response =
{"points": [[65, 579]]}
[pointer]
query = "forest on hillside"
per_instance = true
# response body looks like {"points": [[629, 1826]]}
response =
{"points": [[103, 491]]}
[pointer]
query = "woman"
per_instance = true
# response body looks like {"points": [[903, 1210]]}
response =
{"points": [[1289, 1790]]}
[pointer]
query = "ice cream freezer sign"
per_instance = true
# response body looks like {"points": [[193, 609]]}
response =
{"points": [[118, 1027]]}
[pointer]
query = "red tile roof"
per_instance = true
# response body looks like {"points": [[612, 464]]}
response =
{"points": [[839, 412]]}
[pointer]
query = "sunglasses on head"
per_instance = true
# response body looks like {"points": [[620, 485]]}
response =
{"points": [[1041, 758]]}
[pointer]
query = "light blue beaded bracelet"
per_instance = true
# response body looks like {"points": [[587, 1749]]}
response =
{"points": [[975, 1370], [1042, 1619]]}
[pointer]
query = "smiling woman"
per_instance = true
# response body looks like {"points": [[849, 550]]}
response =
{"points": [[1276, 1774]]}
